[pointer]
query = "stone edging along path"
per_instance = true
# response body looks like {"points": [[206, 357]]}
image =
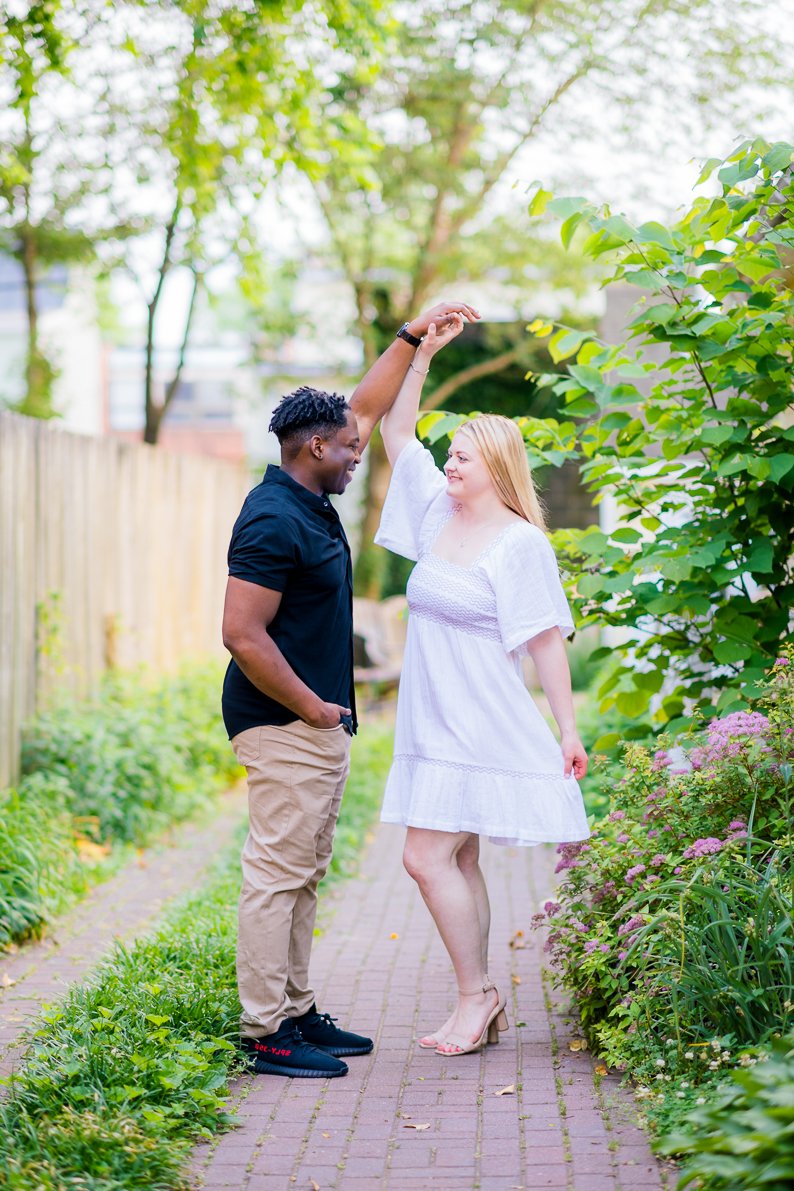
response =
{"points": [[40, 973]]}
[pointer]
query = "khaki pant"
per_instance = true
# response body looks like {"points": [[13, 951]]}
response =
{"points": [[296, 776]]}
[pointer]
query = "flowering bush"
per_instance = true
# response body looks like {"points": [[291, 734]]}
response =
{"points": [[673, 923]]}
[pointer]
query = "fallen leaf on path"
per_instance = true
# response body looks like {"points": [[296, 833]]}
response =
{"points": [[508, 1091], [394, 935], [315, 1186], [516, 979], [418, 1128], [87, 849], [600, 1069], [6, 981], [577, 1044], [518, 942], [326, 1134]]}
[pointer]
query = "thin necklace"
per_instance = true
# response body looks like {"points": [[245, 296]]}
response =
{"points": [[472, 532]]}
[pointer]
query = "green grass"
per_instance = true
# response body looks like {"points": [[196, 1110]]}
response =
{"points": [[132, 1068]]}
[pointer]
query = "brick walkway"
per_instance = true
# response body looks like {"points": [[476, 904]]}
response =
{"points": [[40, 973], [407, 1119]]}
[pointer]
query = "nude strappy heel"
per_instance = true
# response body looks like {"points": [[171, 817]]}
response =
{"points": [[496, 1024]]}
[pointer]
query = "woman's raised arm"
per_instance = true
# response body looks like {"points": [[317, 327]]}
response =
{"points": [[398, 427]]}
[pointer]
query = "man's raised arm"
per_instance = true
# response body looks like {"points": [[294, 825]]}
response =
{"points": [[375, 393]]}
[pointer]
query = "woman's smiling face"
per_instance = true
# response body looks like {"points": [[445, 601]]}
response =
{"points": [[467, 475]]}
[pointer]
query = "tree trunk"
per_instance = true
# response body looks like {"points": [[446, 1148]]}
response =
{"points": [[153, 412], [370, 568]]}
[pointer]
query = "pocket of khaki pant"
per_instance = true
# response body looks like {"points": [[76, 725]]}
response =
{"points": [[247, 746]]}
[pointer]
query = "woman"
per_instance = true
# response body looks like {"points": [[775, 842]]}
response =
{"points": [[473, 755]]}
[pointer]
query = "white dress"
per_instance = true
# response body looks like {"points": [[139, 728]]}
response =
{"points": [[472, 752]]}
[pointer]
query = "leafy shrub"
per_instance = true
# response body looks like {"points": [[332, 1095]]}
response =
{"points": [[694, 442], [111, 772], [673, 923], [745, 1136], [142, 755]]}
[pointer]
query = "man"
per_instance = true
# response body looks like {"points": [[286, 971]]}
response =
{"points": [[289, 704]]}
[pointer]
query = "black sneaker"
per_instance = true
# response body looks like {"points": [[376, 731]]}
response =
{"points": [[319, 1029], [287, 1053]]}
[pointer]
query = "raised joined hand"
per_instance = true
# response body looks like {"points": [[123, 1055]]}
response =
{"points": [[439, 335], [440, 314]]}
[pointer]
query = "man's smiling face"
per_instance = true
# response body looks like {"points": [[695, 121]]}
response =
{"points": [[340, 458]]}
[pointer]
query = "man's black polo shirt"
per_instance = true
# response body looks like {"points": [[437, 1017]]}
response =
{"points": [[291, 540]]}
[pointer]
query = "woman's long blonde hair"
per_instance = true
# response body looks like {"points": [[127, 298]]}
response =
{"points": [[502, 447]]}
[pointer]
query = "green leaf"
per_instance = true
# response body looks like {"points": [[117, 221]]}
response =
{"points": [[589, 585], [563, 208], [626, 534], [565, 343], [616, 225], [731, 651], [779, 466], [540, 201], [646, 279], [707, 170], [633, 703], [568, 229], [716, 434], [655, 233], [589, 378], [779, 157], [760, 560]]}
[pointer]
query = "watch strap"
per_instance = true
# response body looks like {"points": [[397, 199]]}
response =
{"points": [[405, 334]]}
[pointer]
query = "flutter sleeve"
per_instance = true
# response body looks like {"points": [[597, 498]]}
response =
{"points": [[417, 490], [526, 583]]}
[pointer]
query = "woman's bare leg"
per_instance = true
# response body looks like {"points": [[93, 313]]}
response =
{"points": [[469, 864], [458, 903]]}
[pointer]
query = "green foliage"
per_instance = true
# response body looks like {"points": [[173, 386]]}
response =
{"points": [[687, 426], [132, 1067], [745, 1136], [102, 775], [40, 866], [673, 926], [140, 756]]}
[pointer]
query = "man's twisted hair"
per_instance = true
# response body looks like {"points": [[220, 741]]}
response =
{"points": [[308, 411]]}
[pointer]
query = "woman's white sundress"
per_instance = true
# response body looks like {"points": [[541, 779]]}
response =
{"points": [[472, 752]]}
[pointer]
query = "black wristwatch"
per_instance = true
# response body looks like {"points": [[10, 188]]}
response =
{"points": [[405, 334]]}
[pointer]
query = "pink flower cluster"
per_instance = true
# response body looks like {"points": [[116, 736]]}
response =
{"points": [[703, 847], [728, 737], [570, 855], [593, 945], [634, 872], [632, 924]]}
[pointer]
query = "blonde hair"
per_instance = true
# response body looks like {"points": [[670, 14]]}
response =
{"points": [[502, 447]]}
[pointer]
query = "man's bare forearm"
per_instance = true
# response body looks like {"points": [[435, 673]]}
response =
{"points": [[375, 393], [263, 664]]}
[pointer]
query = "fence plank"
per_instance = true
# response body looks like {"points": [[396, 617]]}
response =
{"points": [[114, 550]]}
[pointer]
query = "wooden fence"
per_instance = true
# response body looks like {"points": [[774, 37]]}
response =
{"points": [[111, 554]]}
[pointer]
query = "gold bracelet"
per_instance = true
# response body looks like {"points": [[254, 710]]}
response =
{"points": [[419, 370]]}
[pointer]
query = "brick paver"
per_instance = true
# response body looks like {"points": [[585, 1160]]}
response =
{"points": [[40, 973], [406, 1118]]}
